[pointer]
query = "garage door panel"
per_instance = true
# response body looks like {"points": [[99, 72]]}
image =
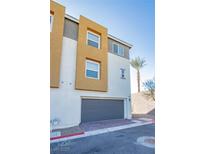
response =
{"points": [[101, 109]]}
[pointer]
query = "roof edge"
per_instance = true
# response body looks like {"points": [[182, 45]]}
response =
{"points": [[119, 40], [109, 35], [72, 18]]}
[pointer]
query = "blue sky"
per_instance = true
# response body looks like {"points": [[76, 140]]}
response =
{"points": [[130, 20]]}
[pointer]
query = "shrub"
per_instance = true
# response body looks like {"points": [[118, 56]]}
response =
{"points": [[149, 87]]}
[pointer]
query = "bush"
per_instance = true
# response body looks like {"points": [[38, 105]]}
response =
{"points": [[149, 87]]}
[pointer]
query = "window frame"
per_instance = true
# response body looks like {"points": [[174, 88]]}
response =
{"points": [[51, 22], [99, 40], [98, 70], [118, 49]]}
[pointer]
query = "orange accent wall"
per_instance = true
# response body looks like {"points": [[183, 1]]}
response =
{"points": [[56, 38], [85, 51]]}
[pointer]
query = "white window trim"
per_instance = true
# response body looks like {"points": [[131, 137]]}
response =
{"points": [[90, 61], [99, 40], [51, 24], [118, 49]]}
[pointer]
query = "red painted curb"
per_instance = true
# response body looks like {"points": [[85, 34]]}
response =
{"points": [[59, 137]]}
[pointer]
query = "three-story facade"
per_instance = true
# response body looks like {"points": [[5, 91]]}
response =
{"points": [[89, 71]]}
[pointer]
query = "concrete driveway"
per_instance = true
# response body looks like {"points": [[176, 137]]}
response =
{"points": [[118, 142]]}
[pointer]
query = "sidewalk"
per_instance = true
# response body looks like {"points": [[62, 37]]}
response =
{"points": [[66, 132], [99, 127], [91, 126]]}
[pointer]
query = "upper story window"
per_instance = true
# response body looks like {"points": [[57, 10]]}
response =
{"points": [[93, 39], [51, 22], [122, 73], [117, 49], [92, 69]]}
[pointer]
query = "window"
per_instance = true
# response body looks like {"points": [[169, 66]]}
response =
{"points": [[122, 73], [92, 69], [117, 49], [51, 22], [121, 51], [93, 39]]}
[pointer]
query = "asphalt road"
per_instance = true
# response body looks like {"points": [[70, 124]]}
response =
{"points": [[118, 142]]}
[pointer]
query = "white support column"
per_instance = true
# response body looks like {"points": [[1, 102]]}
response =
{"points": [[127, 108], [129, 111]]}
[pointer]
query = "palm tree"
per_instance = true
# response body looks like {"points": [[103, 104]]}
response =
{"points": [[138, 63]]}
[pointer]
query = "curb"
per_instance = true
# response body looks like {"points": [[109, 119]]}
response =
{"points": [[97, 132], [65, 136]]}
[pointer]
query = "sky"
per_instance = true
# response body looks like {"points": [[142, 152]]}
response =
{"points": [[130, 20]]}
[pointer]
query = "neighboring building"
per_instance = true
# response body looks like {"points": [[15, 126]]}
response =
{"points": [[89, 71]]}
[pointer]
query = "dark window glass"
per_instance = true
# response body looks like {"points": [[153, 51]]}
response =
{"points": [[92, 43], [115, 48], [92, 74]]}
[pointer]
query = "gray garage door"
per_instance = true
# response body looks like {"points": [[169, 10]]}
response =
{"points": [[101, 109]]}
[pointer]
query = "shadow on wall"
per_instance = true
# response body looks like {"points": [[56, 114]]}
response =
{"points": [[142, 105]]}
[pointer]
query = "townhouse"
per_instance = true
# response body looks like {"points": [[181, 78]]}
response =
{"points": [[89, 71]]}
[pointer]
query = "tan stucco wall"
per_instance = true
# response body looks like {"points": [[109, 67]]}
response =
{"points": [[56, 37], [71, 31], [85, 51], [141, 105]]}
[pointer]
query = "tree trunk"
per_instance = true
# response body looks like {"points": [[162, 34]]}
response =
{"points": [[138, 80]]}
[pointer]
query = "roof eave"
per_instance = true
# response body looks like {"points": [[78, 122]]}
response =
{"points": [[109, 35]]}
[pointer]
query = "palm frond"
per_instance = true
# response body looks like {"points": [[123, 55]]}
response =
{"points": [[138, 63]]}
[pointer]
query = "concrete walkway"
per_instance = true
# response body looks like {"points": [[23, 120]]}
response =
{"points": [[92, 126]]}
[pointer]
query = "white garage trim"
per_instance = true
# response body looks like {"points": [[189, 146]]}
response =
{"points": [[99, 97]]}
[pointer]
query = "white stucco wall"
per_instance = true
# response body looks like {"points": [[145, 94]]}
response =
{"points": [[66, 101], [141, 104]]}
